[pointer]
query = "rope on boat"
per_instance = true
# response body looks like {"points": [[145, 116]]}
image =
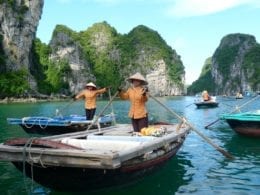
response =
{"points": [[47, 123], [24, 119], [29, 142], [30, 161], [42, 121]]}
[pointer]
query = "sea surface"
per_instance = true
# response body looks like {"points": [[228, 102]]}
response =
{"points": [[196, 169]]}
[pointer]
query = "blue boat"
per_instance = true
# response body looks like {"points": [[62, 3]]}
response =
{"points": [[247, 123], [59, 124]]}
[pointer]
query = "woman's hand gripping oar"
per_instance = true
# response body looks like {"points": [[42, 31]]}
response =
{"points": [[102, 111], [236, 109], [221, 150]]}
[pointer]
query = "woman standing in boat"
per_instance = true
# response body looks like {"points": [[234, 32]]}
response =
{"points": [[205, 96], [90, 94], [137, 95]]}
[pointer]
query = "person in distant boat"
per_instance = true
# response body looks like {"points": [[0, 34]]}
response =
{"points": [[137, 95], [239, 95], [205, 96], [90, 94]]}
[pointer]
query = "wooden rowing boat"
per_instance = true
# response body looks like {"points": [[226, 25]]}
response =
{"points": [[247, 123], [206, 104], [92, 160], [200, 103], [59, 124]]}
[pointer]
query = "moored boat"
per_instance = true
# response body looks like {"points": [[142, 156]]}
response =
{"points": [[247, 123], [200, 103], [93, 160], [59, 124]]}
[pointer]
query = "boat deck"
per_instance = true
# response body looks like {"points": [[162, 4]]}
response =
{"points": [[110, 148]]}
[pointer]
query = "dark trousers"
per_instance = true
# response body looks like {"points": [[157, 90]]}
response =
{"points": [[90, 113], [140, 123]]}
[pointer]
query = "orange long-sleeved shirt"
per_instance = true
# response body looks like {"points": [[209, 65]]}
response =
{"points": [[205, 96], [90, 97], [137, 99]]}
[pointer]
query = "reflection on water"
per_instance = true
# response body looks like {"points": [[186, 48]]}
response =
{"points": [[197, 169]]}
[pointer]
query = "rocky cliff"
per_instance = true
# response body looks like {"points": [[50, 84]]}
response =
{"points": [[234, 67], [112, 57], [18, 23], [64, 46]]}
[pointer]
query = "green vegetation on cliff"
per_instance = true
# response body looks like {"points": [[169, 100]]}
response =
{"points": [[225, 57], [50, 75], [2, 56], [19, 7], [251, 66], [152, 47], [11, 83], [111, 56], [205, 80], [235, 67], [98, 44], [14, 83]]}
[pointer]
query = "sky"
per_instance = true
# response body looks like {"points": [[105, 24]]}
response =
{"points": [[194, 28]]}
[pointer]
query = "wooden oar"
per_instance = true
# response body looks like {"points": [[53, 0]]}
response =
{"points": [[112, 109], [221, 150], [236, 109], [102, 111], [189, 105], [64, 107]]}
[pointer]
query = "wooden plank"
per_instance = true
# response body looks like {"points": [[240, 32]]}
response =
{"points": [[90, 159], [60, 152], [85, 133], [64, 161]]}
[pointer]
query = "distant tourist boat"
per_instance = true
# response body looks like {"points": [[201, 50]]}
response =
{"points": [[239, 96], [200, 103], [58, 124], [247, 123], [93, 160]]}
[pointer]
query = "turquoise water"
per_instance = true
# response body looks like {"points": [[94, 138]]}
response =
{"points": [[196, 169]]}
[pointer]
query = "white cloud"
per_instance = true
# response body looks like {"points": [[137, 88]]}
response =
{"points": [[188, 8]]}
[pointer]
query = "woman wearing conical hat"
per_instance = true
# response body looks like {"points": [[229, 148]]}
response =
{"points": [[205, 96], [90, 94], [137, 95]]}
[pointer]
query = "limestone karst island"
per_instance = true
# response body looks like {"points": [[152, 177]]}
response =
{"points": [[129, 97]]}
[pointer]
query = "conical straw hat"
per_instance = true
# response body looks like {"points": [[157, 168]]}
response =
{"points": [[90, 85], [138, 76]]}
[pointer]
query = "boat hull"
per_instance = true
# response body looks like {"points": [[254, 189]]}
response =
{"points": [[56, 130], [85, 179], [206, 104], [247, 128]]}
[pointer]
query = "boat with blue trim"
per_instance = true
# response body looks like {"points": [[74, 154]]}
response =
{"points": [[59, 124], [246, 123]]}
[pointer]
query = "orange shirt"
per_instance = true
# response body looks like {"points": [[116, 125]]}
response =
{"points": [[90, 97], [205, 96], [137, 99]]}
